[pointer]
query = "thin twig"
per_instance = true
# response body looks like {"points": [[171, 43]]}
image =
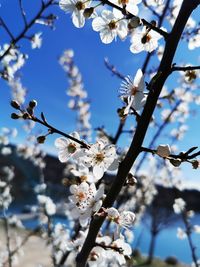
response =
{"points": [[186, 68], [23, 13], [129, 15], [113, 69], [188, 233], [8, 240], [15, 40], [3, 24]]}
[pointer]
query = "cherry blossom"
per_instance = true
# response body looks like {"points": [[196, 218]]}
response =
{"points": [[179, 205], [86, 200], [131, 5], [76, 7], [131, 92], [124, 218], [36, 40], [181, 233], [67, 147], [145, 40], [101, 156], [110, 25]]}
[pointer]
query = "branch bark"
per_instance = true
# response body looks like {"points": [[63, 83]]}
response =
{"points": [[155, 87]]}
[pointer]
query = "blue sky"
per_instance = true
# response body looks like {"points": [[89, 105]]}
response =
{"points": [[46, 82]]}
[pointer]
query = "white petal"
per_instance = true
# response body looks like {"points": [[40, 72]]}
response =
{"points": [[114, 165], [67, 5], [98, 24], [63, 155], [78, 19], [107, 15], [107, 36], [98, 171], [61, 143], [122, 30]]}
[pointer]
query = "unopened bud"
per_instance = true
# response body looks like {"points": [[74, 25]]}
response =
{"points": [[65, 181], [41, 139], [175, 162], [134, 23], [30, 110], [25, 116], [15, 116], [32, 104], [131, 180], [195, 164], [88, 12], [163, 151], [15, 104], [121, 114]]}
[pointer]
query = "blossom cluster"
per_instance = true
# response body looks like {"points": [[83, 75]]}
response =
{"points": [[77, 93]]}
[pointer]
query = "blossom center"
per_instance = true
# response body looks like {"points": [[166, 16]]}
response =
{"points": [[112, 25], [71, 148], [81, 196], [123, 2], [99, 157], [134, 90], [80, 5], [191, 75], [146, 38], [83, 178]]}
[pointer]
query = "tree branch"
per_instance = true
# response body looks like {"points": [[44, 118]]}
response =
{"points": [[15, 40], [3, 24], [128, 15], [134, 150], [186, 68]]}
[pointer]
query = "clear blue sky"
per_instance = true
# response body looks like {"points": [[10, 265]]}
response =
{"points": [[46, 82]]}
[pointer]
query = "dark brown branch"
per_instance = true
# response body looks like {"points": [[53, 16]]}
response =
{"points": [[182, 156], [55, 130], [151, 9], [134, 150], [128, 15], [160, 22], [8, 241], [113, 69], [186, 68], [118, 249], [15, 40], [23, 13], [3, 24], [189, 237]]}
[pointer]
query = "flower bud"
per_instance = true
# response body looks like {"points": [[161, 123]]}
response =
{"points": [[25, 116], [32, 104], [163, 151], [41, 139], [88, 12], [15, 116], [131, 180], [175, 162], [133, 23], [30, 110], [195, 164], [15, 104]]}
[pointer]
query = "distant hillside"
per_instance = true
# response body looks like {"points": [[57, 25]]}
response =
{"points": [[27, 175]]}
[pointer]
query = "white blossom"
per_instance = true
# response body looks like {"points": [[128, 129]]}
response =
{"points": [[131, 91], [101, 157], [76, 7], [68, 148], [179, 205], [110, 25], [144, 40], [36, 40]]}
